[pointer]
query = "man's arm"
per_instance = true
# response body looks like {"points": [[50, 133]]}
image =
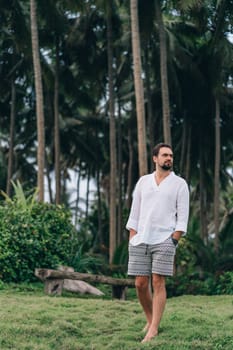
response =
{"points": [[132, 223], [182, 212]]}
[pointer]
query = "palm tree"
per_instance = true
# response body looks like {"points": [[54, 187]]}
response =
{"points": [[11, 139], [164, 75], [219, 48], [39, 100], [217, 173], [112, 135], [56, 126], [138, 85], [13, 39]]}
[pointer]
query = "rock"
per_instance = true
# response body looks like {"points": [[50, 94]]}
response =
{"points": [[80, 287]]}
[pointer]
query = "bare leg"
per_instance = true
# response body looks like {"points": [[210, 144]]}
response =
{"points": [[158, 302], [145, 298], [145, 329]]}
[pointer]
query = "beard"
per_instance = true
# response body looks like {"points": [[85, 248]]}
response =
{"points": [[166, 166]]}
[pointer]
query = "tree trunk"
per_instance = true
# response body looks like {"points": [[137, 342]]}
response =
{"points": [[56, 128], [185, 151], [11, 141], [151, 118], [88, 192], [138, 83], [39, 101], [44, 274], [217, 174], [188, 155], [203, 208], [64, 186], [77, 196], [130, 170], [99, 235], [113, 161], [164, 76], [48, 177], [119, 190]]}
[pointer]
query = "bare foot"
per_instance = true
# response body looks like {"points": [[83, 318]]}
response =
{"points": [[149, 336]]}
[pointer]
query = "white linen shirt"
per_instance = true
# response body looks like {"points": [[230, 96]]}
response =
{"points": [[158, 210]]}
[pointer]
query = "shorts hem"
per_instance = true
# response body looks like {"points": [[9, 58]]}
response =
{"points": [[166, 274], [139, 274]]}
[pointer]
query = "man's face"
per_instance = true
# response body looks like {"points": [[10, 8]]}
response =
{"points": [[164, 159]]}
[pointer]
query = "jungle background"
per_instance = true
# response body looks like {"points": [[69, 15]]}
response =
{"points": [[87, 89]]}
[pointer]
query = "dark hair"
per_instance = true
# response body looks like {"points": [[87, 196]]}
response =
{"points": [[156, 149]]}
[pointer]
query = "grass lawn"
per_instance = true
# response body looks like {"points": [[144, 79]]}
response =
{"points": [[31, 320]]}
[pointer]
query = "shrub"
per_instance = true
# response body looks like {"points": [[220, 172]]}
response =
{"points": [[210, 284], [32, 236], [225, 283], [87, 262]]}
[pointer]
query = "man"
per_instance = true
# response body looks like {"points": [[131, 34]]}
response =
{"points": [[157, 220]]}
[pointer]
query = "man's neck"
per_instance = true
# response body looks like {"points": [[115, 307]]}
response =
{"points": [[160, 174]]}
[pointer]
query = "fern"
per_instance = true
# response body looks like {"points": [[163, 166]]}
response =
{"points": [[20, 199]]}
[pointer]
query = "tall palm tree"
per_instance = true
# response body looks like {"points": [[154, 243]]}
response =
{"points": [[11, 139], [112, 135], [56, 126], [138, 85], [39, 101], [219, 49], [217, 173], [163, 75], [14, 37]]}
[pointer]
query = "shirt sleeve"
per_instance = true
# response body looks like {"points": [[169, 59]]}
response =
{"points": [[182, 209], [133, 219]]}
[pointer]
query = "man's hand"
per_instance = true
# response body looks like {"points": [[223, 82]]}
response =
{"points": [[132, 233], [177, 234]]}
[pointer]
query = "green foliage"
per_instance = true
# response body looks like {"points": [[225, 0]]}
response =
{"points": [[121, 254], [199, 270], [225, 283], [33, 235], [209, 284], [86, 262], [190, 284], [3, 168], [93, 234], [23, 201]]}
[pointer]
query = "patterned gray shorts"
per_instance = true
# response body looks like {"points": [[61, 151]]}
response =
{"points": [[156, 258]]}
